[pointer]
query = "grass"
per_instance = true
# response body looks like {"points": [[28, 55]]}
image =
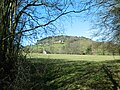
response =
{"points": [[73, 72], [69, 57]]}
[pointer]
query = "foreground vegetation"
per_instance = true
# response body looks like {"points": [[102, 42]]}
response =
{"points": [[70, 72]]}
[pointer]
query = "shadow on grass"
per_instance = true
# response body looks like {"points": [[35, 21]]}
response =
{"points": [[114, 61], [71, 75]]}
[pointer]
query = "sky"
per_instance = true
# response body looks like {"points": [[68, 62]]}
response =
{"points": [[77, 27]]}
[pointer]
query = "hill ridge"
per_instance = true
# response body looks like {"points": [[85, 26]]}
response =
{"points": [[64, 44], [60, 39]]}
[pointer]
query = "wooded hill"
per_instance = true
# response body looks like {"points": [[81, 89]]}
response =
{"points": [[74, 45]]}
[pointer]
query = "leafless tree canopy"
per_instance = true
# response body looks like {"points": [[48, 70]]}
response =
{"points": [[107, 20], [23, 18]]}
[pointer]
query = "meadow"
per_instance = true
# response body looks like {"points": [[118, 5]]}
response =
{"points": [[71, 57], [74, 72]]}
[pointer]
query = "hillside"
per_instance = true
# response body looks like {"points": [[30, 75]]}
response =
{"points": [[61, 39], [72, 45]]}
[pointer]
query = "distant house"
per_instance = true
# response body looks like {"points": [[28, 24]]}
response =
{"points": [[58, 42], [44, 52]]}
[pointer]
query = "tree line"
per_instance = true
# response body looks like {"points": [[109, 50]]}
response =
{"points": [[74, 45]]}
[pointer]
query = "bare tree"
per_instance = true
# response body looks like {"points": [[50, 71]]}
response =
{"points": [[106, 20], [25, 18]]}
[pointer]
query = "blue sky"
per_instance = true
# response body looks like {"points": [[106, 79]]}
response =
{"points": [[78, 28], [73, 26]]}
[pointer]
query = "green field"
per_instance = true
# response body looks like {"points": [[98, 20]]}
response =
{"points": [[68, 57], [74, 72]]}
